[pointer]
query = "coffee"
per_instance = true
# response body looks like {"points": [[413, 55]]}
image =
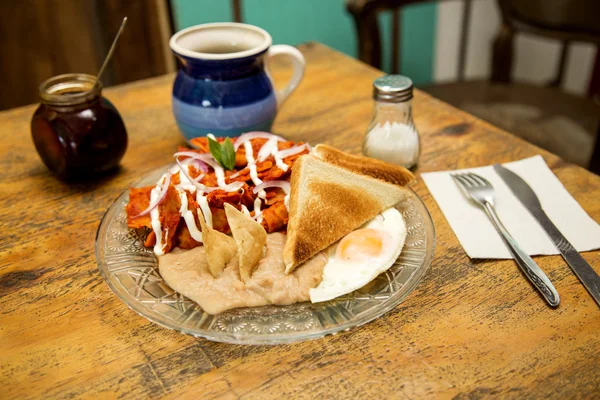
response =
{"points": [[223, 48]]}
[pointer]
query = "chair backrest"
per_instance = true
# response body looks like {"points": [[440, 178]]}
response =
{"points": [[236, 10], [364, 13], [565, 20]]}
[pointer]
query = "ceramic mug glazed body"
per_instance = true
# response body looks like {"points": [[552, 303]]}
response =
{"points": [[223, 86]]}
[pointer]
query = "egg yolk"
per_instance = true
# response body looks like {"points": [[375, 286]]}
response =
{"points": [[360, 245]]}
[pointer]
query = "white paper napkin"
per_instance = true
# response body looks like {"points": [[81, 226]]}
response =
{"points": [[477, 234]]}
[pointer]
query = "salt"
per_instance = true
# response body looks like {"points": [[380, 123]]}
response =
{"points": [[392, 136], [396, 143]]}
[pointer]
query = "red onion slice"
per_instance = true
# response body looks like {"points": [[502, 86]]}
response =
{"points": [[199, 177], [205, 157], [293, 150], [161, 196], [266, 150], [193, 181], [232, 187], [237, 173], [284, 185], [255, 135], [200, 165]]}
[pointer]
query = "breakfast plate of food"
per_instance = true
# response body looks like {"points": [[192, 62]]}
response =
{"points": [[261, 240]]}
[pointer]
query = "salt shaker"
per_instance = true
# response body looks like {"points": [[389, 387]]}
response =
{"points": [[392, 136]]}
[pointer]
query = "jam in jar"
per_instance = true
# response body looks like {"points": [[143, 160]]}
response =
{"points": [[77, 132]]}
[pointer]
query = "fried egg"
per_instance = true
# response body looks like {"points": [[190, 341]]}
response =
{"points": [[361, 256]]}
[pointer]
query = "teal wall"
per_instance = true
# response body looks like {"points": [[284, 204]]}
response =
{"points": [[326, 21], [417, 45]]}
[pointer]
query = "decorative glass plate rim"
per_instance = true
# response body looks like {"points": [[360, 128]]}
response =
{"points": [[261, 339]]}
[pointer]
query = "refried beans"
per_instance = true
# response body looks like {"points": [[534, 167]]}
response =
{"points": [[186, 272]]}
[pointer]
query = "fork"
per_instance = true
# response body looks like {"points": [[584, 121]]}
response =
{"points": [[482, 192]]}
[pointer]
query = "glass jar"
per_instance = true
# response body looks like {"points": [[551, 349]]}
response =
{"points": [[391, 135], [77, 132]]}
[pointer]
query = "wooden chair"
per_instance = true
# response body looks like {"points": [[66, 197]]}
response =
{"points": [[41, 39], [562, 123], [236, 10]]}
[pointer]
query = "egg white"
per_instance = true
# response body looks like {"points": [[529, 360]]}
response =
{"points": [[342, 276]]}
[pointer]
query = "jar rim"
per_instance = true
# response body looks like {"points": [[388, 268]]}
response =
{"points": [[70, 89]]}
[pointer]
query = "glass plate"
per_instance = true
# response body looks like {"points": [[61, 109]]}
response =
{"points": [[131, 271]]}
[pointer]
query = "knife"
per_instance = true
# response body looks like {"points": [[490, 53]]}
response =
{"points": [[528, 198]]}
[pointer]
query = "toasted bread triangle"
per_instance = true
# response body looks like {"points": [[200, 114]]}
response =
{"points": [[328, 202], [372, 167]]}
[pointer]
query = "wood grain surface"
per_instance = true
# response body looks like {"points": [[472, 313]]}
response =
{"points": [[471, 329]]}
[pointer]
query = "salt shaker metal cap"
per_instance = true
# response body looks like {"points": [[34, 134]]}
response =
{"points": [[393, 89]]}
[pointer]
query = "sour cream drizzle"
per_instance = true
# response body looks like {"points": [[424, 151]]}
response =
{"points": [[257, 211], [273, 150], [262, 195], [201, 200], [184, 182], [188, 216], [220, 176], [251, 163], [159, 247], [219, 172], [279, 162]]}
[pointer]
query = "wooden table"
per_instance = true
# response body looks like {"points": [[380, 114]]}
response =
{"points": [[471, 328]]}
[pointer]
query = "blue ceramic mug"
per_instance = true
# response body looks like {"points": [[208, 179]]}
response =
{"points": [[223, 86]]}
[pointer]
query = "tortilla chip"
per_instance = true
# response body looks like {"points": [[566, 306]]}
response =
{"points": [[218, 247], [250, 238]]}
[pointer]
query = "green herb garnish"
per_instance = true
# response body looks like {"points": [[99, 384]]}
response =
{"points": [[224, 152]]}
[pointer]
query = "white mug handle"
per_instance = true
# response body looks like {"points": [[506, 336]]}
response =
{"points": [[298, 64]]}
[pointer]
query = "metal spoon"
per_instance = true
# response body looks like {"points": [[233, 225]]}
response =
{"points": [[110, 52]]}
